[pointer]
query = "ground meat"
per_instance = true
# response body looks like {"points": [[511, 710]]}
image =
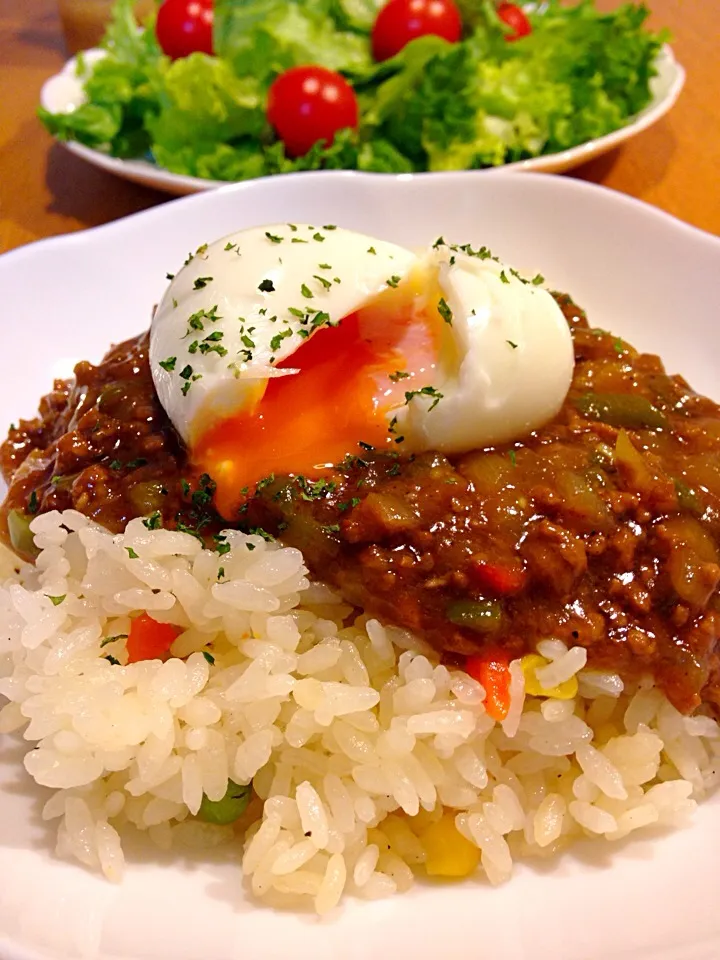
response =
{"points": [[555, 558], [602, 528], [102, 445]]}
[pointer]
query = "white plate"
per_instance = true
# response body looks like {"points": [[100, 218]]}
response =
{"points": [[60, 94], [645, 275]]}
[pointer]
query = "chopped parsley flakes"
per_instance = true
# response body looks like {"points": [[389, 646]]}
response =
{"points": [[195, 320], [310, 490], [187, 374], [444, 310], [482, 253], [222, 546], [258, 531], [108, 640], [425, 392], [154, 521], [279, 337]]}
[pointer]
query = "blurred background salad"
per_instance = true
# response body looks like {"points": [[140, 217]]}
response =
{"points": [[234, 89]]}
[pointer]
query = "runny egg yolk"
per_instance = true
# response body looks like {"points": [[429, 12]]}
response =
{"points": [[341, 394]]}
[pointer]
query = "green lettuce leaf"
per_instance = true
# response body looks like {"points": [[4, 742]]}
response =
{"points": [[244, 159], [125, 42], [202, 104], [222, 161], [91, 124], [261, 38], [606, 60], [380, 156], [358, 15]]}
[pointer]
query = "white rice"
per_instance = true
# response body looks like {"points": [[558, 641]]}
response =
{"points": [[357, 742]]}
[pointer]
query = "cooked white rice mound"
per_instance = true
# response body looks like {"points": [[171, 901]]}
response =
{"points": [[365, 753]]}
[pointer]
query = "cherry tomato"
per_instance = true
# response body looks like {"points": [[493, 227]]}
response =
{"points": [[514, 17], [401, 21], [308, 104], [184, 27]]}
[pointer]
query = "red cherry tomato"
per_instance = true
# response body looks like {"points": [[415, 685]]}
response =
{"points": [[307, 104], [401, 21], [184, 27], [514, 17]]}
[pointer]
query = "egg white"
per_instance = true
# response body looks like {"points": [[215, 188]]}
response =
{"points": [[516, 358], [242, 304], [256, 328]]}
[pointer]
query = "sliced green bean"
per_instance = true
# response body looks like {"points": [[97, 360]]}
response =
{"points": [[621, 410]]}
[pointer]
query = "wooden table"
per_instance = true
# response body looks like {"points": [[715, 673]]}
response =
{"points": [[44, 190]]}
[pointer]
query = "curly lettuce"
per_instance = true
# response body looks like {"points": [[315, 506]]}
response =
{"points": [[435, 106]]}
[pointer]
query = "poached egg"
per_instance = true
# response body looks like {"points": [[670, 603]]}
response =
{"points": [[278, 349]]}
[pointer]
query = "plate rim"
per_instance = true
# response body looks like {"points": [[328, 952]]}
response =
{"points": [[142, 171], [570, 187], [381, 181]]}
